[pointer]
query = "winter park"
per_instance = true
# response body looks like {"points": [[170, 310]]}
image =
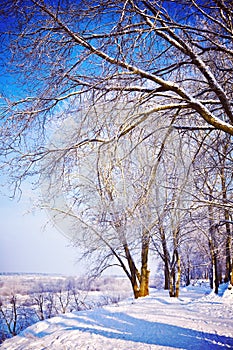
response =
{"points": [[116, 163]]}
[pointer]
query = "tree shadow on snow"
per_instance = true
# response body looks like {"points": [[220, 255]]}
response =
{"points": [[118, 325]]}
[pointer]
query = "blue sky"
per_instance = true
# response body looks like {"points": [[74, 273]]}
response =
{"points": [[28, 243]]}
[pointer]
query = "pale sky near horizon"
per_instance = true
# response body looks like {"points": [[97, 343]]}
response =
{"points": [[29, 244]]}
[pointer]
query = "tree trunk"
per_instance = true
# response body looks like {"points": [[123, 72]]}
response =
{"points": [[220, 272], [144, 278], [175, 275], [139, 281], [144, 283], [214, 282], [228, 253], [232, 272], [187, 275], [133, 271], [178, 275], [166, 276], [172, 283], [213, 248], [216, 275], [176, 265], [166, 259]]}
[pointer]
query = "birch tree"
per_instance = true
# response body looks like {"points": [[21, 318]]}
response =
{"points": [[100, 197]]}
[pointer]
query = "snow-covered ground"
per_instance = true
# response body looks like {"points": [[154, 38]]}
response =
{"points": [[196, 320]]}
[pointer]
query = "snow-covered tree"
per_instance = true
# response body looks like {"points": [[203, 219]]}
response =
{"points": [[158, 65]]}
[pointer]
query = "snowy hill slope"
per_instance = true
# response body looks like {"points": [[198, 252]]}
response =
{"points": [[196, 320]]}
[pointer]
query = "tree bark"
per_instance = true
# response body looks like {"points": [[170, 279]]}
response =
{"points": [[172, 282], [178, 274], [175, 275], [213, 248], [228, 259], [216, 275], [232, 272], [187, 273], [166, 259], [134, 273], [144, 278], [214, 282], [166, 276]]}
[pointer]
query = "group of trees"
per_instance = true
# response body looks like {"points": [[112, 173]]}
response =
{"points": [[124, 112], [17, 312], [20, 309]]}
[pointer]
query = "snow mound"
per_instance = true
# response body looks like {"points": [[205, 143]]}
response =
{"points": [[228, 294]]}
